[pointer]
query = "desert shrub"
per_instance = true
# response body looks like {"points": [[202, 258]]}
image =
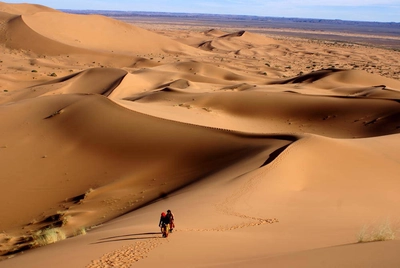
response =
{"points": [[381, 232], [80, 231], [48, 236]]}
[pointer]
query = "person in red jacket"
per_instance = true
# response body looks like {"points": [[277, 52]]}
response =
{"points": [[164, 224]]}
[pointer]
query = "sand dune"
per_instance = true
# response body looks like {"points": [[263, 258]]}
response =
{"points": [[269, 152], [237, 42], [336, 78], [94, 41], [92, 81], [99, 33], [20, 9], [375, 255]]}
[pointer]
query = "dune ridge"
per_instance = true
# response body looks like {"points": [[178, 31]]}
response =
{"points": [[24, 8], [258, 147]]}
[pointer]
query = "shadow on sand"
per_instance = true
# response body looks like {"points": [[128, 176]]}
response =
{"points": [[138, 236]]}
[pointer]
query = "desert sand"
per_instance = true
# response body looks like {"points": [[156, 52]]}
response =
{"points": [[270, 152]]}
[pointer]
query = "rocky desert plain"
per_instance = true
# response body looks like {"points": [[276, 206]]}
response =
{"points": [[271, 149]]}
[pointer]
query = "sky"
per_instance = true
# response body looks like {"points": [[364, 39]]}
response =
{"points": [[358, 10]]}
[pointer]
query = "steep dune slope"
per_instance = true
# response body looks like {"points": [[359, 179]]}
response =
{"points": [[84, 38], [92, 81], [77, 142], [238, 42], [336, 78], [100, 34], [235, 212]]}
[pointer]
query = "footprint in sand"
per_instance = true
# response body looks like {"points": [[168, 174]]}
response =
{"points": [[125, 256], [256, 222]]}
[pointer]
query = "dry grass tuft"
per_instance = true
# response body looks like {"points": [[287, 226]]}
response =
{"points": [[80, 231], [48, 236], [382, 232]]}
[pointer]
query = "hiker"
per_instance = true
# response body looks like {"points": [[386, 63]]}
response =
{"points": [[164, 224], [164, 220], [170, 216]]}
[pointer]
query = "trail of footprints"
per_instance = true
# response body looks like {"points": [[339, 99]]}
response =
{"points": [[125, 256], [257, 222]]}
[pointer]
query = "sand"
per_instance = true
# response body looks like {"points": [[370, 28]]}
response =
{"points": [[269, 152]]}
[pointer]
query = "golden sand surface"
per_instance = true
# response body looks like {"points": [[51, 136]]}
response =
{"points": [[270, 150]]}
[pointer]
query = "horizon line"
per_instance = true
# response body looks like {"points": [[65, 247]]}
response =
{"points": [[217, 14]]}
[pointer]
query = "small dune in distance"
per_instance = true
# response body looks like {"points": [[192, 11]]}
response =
{"points": [[272, 148]]}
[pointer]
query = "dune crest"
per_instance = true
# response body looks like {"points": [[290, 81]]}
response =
{"points": [[24, 9], [274, 150], [99, 33], [237, 42]]}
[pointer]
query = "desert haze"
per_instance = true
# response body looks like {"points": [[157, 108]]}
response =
{"points": [[270, 151]]}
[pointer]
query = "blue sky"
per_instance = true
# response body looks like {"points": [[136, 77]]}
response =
{"points": [[361, 10]]}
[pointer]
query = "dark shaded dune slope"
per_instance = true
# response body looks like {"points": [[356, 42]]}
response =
{"points": [[117, 146]]}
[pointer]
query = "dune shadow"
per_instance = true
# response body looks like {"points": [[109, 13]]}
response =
{"points": [[275, 154], [119, 236], [127, 237]]}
